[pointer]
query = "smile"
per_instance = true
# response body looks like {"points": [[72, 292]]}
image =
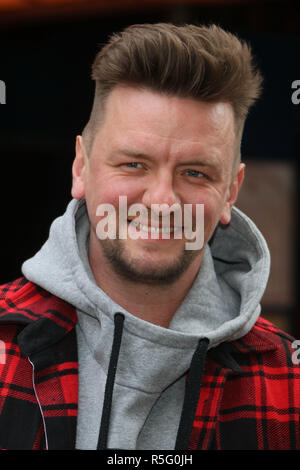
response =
{"points": [[151, 229]]}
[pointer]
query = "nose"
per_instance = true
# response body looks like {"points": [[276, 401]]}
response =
{"points": [[161, 191]]}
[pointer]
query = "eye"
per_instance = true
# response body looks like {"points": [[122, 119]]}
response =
{"points": [[133, 165], [195, 173]]}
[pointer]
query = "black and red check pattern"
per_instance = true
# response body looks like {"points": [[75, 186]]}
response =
{"points": [[256, 407], [249, 397], [38, 331]]}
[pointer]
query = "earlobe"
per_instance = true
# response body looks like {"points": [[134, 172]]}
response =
{"points": [[78, 171], [234, 189]]}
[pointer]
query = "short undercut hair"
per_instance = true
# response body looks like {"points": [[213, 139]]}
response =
{"points": [[204, 63]]}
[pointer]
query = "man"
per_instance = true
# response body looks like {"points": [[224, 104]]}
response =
{"points": [[164, 344]]}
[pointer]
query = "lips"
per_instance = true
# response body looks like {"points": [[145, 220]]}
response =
{"points": [[154, 229], [157, 225]]}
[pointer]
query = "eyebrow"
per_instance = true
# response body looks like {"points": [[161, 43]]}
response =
{"points": [[201, 161], [133, 153]]}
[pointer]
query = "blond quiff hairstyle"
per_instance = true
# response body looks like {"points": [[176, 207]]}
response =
{"points": [[205, 63]]}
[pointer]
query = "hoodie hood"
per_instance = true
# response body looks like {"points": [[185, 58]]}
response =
{"points": [[230, 285], [133, 369]]}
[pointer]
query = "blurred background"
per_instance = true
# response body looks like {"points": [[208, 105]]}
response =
{"points": [[46, 51]]}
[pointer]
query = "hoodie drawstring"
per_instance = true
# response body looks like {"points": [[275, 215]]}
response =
{"points": [[103, 433], [191, 396]]}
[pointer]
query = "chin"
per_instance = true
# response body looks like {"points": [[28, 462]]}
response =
{"points": [[147, 267]]}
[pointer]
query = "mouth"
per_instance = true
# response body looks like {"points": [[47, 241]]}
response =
{"points": [[153, 229]]}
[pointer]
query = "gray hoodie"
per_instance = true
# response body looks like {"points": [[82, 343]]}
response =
{"points": [[149, 383]]}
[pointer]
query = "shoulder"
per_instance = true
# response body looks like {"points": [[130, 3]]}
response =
{"points": [[19, 300], [278, 347], [23, 302], [15, 293], [268, 330]]}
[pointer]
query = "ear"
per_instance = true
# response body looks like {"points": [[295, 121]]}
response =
{"points": [[233, 191], [78, 170]]}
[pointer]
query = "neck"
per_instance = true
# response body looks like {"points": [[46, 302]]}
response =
{"points": [[154, 303]]}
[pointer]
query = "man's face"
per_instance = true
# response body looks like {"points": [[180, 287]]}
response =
{"points": [[157, 149]]}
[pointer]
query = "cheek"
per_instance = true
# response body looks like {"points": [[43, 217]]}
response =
{"points": [[107, 190], [209, 201], [112, 190], [213, 206]]}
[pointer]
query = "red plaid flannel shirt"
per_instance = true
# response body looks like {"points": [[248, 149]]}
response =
{"points": [[249, 397]]}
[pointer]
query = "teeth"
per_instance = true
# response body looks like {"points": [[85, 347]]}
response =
{"points": [[146, 228]]}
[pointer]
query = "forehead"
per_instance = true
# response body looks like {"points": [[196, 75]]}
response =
{"points": [[135, 117]]}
